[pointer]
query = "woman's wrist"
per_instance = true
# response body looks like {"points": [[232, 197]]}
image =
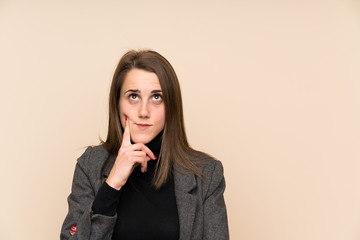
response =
{"points": [[114, 184]]}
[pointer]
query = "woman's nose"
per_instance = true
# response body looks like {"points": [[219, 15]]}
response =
{"points": [[144, 110]]}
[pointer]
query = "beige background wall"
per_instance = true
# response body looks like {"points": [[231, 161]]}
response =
{"points": [[271, 88]]}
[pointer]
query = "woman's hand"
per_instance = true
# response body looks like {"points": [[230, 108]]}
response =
{"points": [[129, 156]]}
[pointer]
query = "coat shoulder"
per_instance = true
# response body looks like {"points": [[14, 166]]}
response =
{"points": [[92, 160], [208, 164], [212, 173]]}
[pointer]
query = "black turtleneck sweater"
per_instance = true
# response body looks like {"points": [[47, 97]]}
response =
{"points": [[142, 211]]}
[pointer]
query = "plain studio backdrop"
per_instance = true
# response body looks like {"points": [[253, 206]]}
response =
{"points": [[270, 88]]}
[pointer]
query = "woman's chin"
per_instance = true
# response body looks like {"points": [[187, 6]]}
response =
{"points": [[141, 139]]}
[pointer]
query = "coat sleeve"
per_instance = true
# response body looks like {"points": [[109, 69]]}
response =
{"points": [[88, 225], [215, 216]]}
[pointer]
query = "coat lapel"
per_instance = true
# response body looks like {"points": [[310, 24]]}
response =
{"points": [[109, 167], [186, 202]]}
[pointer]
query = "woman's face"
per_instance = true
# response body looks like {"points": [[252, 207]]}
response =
{"points": [[141, 101]]}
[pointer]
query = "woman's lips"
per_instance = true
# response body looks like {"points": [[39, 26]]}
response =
{"points": [[143, 126]]}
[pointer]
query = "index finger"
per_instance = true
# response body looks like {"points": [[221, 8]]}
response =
{"points": [[126, 135], [143, 147]]}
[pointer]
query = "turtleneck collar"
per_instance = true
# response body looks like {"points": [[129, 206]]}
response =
{"points": [[155, 144]]}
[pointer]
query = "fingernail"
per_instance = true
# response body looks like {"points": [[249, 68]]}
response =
{"points": [[125, 118], [72, 232], [73, 228], [154, 156]]}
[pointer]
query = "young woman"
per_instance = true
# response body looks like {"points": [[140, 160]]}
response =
{"points": [[145, 181]]}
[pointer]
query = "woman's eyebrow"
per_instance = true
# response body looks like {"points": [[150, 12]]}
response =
{"points": [[138, 91], [133, 90], [156, 91]]}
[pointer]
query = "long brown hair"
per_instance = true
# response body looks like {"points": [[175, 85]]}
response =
{"points": [[174, 147]]}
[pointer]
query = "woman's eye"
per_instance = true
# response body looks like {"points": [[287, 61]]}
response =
{"points": [[157, 98], [133, 97]]}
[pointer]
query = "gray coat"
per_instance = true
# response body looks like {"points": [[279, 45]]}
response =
{"points": [[200, 203]]}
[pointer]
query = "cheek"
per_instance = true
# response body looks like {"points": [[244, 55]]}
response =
{"points": [[125, 109], [160, 116]]}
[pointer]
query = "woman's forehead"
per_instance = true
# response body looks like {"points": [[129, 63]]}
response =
{"points": [[141, 81]]}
